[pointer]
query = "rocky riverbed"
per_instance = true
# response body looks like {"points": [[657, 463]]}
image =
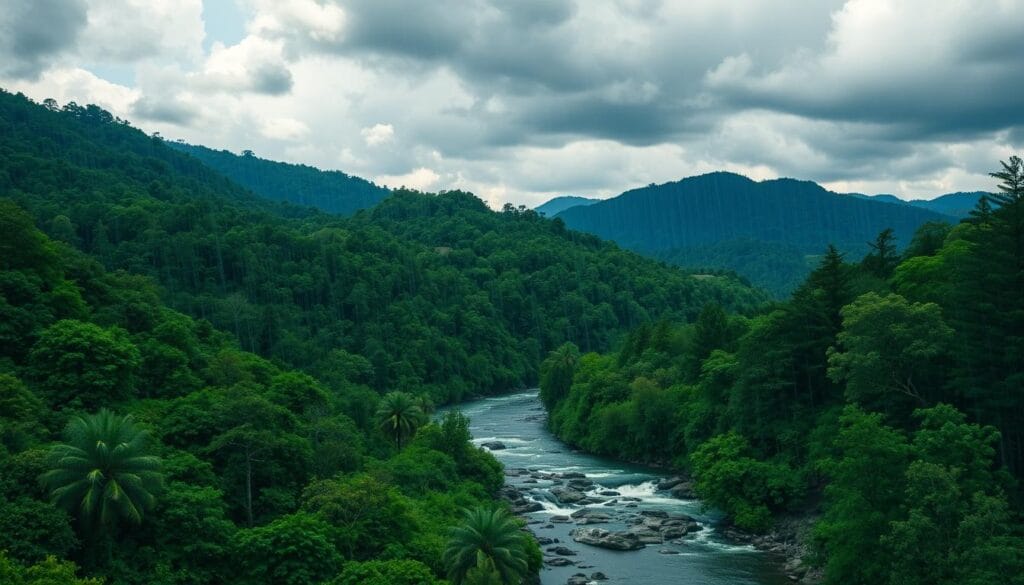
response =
{"points": [[670, 531], [604, 521]]}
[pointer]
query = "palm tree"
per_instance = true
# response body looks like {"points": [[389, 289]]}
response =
{"points": [[426, 406], [489, 540], [483, 573], [399, 416], [103, 473]]}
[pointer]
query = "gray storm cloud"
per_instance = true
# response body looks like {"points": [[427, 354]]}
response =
{"points": [[32, 33], [519, 99]]}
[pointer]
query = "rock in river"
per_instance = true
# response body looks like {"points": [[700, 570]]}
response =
{"points": [[604, 539], [493, 445], [567, 495]]}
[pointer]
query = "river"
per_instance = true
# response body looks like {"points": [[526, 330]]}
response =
{"points": [[699, 558]]}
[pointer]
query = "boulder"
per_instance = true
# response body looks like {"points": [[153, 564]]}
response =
{"points": [[646, 535], [567, 495], [673, 532], [580, 484], [653, 523], [559, 562], [526, 507], [654, 514], [559, 518], [562, 551], [604, 539], [683, 491], [590, 513], [493, 445], [578, 579], [670, 482], [598, 576]]}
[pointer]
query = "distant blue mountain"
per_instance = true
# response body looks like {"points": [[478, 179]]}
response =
{"points": [[724, 220], [880, 197], [957, 205], [557, 205]]}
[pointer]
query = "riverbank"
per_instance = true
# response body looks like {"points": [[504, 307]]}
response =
{"points": [[788, 541], [600, 517]]}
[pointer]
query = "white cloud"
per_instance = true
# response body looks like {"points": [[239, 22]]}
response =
{"points": [[423, 179], [78, 85], [284, 129], [378, 134], [254, 64]]}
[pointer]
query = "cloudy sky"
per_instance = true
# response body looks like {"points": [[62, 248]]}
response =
{"points": [[519, 100]]}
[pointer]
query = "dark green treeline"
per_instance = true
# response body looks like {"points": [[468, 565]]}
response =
{"points": [[886, 396]]}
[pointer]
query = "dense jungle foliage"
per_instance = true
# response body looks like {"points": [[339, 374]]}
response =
{"points": [[886, 395], [433, 293], [198, 385], [148, 447]]}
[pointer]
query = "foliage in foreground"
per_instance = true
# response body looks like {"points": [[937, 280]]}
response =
{"points": [[185, 460]]}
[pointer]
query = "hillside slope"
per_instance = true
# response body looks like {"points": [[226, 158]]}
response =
{"points": [[682, 220], [434, 293], [331, 191]]}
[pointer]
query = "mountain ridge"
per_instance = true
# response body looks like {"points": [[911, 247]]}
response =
{"points": [[690, 219], [556, 205], [332, 191]]}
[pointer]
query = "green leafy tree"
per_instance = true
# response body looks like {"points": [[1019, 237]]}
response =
{"points": [[263, 460], [866, 472], [297, 549], [889, 352], [951, 488], [556, 373], [22, 246], [494, 535], [103, 473], [369, 515], [399, 416], [20, 413], [50, 571], [747, 489], [83, 365], [389, 572]]}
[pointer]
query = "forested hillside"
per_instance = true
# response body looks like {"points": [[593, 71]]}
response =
{"points": [[331, 191], [688, 219], [886, 397], [430, 293], [267, 370]]}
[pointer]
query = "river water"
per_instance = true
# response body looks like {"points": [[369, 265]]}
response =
{"points": [[701, 558]]}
